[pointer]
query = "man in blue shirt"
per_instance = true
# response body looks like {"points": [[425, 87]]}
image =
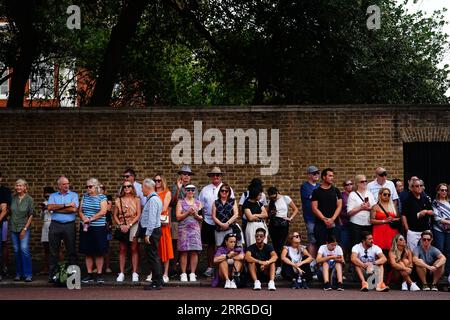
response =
{"points": [[151, 221], [306, 190], [63, 206]]}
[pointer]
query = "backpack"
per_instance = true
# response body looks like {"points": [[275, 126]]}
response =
{"points": [[61, 274]]}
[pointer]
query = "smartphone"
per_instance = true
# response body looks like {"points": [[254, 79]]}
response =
{"points": [[366, 199]]}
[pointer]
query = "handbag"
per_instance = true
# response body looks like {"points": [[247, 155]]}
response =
{"points": [[397, 225], [165, 220], [118, 234]]}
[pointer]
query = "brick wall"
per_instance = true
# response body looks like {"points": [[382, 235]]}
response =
{"points": [[39, 145]]}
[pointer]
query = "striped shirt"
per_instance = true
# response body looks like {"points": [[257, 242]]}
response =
{"points": [[441, 211], [91, 205]]}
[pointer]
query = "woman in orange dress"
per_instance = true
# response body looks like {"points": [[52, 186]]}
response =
{"points": [[383, 215], [165, 249]]}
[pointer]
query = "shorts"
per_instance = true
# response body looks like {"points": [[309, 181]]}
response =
{"points": [[310, 232], [4, 231], [208, 234]]}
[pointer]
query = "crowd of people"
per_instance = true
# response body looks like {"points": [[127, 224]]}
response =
{"points": [[382, 233]]}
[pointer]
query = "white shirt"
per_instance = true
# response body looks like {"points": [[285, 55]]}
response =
{"points": [[208, 195], [294, 255], [362, 218], [282, 206], [374, 187], [138, 188], [372, 252], [261, 200], [326, 252]]}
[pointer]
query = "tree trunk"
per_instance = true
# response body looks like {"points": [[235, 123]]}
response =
{"points": [[121, 35]]}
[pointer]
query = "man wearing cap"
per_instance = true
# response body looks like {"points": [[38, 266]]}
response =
{"points": [[207, 197], [306, 190], [382, 182]]}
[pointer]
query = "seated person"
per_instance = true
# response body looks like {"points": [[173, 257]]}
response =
{"points": [[331, 258], [368, 260], [295, 262], [400, 258], [229, 261], [261, 259], [429, 261]]}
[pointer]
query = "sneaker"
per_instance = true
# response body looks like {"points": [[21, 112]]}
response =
{"points": [[233, 285], [257, 285], [236, 278], [414, 287], [209, 272], [99, 278], [165, 279], [17, 278], [295, 285], [434, 287], [120, 277], [183, 277], [149, 278], [327, 286], [425, 287], [315, 277], [364, 286], [192, 277], [135, 277], [271, 285], [89, 278], [28, 279], [404, 286], [382, 287], [278, 271], [340, 286], [227, 284]]}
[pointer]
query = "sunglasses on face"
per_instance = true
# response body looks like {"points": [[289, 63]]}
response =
{"points": [[89, 187], [383, 174], [348, 184], [127, 186], [215, 175], [363, 181], [417, 186], [316, 173], [443, 190], [157, 180], [259, 236], [426, 239], [386, 194], [190, 189], [224, 191], [126, 176], [185, 173], [296, 236]]}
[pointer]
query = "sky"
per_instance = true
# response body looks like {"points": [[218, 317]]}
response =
{"points": [[428, 6]]}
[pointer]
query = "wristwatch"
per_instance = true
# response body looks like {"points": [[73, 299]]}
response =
{"points": [[25, 228], [131, 225]]}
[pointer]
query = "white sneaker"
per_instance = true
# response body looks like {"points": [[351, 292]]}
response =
{"points": [[414, 287], [183, 277], [257, 285], [149, 278], [192, 277], [209, 272], [135, 277], [165, 279], [233, 285], [278, 272], [271, 285], [404, 286], [120, 277], [227, 284]]}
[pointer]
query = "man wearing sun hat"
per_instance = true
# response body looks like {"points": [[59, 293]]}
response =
{"points": [[207, 196]]}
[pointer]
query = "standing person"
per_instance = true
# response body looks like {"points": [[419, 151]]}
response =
{"points": [[296, 262], [229, 260], [46, 217], [261, 258], [429, 262], [381, 181], [326, 205], [368, 258], [257, 183], [416, 214], [127, 213], [109, 227], [5, 202], [178, 193], [359, 204], [306, 191], [401, 260], [93, 232], [225, 213], [441, 225], [165, 249], [64, 205], [385, 220], [208, 195], [256, 215], [399, 188], [151, 223], [22, 210], [331, 257], [343, 225], [130, 176], [279, 221], [189, 238]]}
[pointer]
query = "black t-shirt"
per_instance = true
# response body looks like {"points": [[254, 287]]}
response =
{"points": [[411, 206], [255, 207], [5, 197], [108, 215], [263, 254], [327, 200]]}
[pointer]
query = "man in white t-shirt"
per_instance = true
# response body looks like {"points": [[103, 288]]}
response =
{"points": [[331, 256], [381, 181], [368, 260]]}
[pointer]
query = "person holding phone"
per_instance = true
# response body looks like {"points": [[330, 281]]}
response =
{"points": [[359, 204]]}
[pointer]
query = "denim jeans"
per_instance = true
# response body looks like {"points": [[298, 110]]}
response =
{"points": [[442, 242], [22, 254]]}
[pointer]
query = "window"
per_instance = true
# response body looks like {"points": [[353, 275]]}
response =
{"points": [[67, 87], [42, 84], [4, 86]]}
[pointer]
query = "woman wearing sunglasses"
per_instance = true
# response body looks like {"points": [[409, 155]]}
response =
{"points": [[127, 212], [385, 220], [441, 225], [189, 239], [256, 215], [401, 261], [224, 213], [229, 260], [295, 262], [93, 232]]}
